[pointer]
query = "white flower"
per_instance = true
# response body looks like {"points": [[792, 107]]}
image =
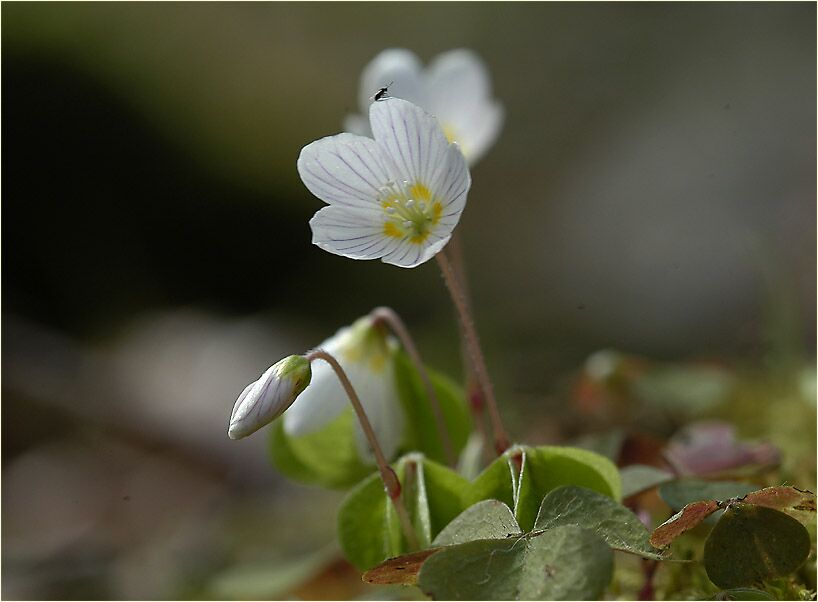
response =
{"points": [[366, 354], [397, 197], [264, 400], [455, 88]]}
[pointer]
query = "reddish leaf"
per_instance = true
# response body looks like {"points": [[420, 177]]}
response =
{"points": [[684, 520], [797, 503], [401, 570]]}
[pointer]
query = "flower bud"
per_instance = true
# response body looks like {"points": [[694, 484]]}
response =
{"points": [[267, 398]]}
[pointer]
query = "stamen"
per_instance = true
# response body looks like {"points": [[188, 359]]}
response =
{"points": [[422, 206], [410, 203], [407, 224], [390, 210]]}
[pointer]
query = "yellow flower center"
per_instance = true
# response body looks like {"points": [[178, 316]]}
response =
{"points": [[366, 343], [410, 211]]}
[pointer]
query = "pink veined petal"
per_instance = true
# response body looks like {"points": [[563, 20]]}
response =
{"points": [[411, 138], [353, 233], [451, 182], [410, 255], [346, 170], [434, 247], [259, 403], [404, 255]]}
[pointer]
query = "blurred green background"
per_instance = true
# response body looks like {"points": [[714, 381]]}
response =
{"points": [[652, 190]]}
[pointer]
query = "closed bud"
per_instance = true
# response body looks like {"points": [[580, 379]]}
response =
{"points": [[267, 398]]}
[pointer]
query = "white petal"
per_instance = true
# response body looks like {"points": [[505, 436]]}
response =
{"points": [[324, 399], [353, 233], [259, 404], [380, 400], [457, 81], [392, 65], [477, 130], [460, 97], [410, 255], [318, 405], [412, 138], [450, 183], [345, 170]]}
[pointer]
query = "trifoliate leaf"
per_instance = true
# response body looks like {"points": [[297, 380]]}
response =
{"points": [[489, 519], [564, 563], [548, 467], [614, 523], [445, 493], [751, 544], [413, 484], [497, 481], [368, 528]]}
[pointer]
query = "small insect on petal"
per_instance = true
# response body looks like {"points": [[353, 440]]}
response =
{"points": [[382, 93]]}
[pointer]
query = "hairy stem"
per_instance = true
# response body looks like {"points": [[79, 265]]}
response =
{"points": [[388, 476], [501, 442], [474, 394], [388, 316]]}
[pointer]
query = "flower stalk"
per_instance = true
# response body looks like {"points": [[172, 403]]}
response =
{"points": [[474, 394], [387, 316], [390, 480], [501, 441]]}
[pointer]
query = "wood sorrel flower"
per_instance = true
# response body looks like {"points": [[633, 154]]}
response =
{"points": [[266, 399], [397, 197], [455, 87], [367, 355]]}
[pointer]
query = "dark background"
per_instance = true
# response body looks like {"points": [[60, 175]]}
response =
{"points": [[652, 190]]}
